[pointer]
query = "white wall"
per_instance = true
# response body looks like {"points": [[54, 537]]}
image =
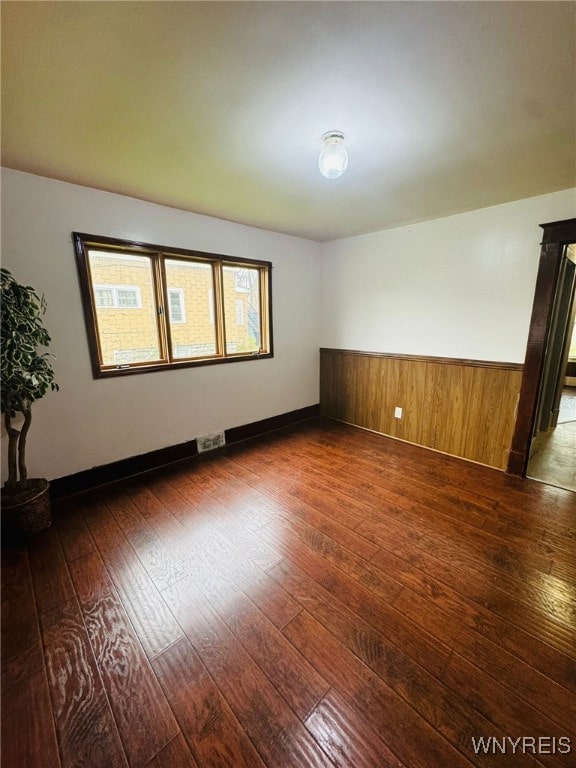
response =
{"points": [[461, 286], [92, 422]]}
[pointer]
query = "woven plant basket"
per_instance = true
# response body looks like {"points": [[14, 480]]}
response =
{"points": [[30, 512]]}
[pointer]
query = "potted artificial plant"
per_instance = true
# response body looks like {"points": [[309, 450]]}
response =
{"points": [[26, 376]]}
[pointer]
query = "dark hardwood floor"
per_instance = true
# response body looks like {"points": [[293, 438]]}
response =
{"points": [[324, 596]]}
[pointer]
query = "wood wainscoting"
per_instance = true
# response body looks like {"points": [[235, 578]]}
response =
{"points": [[466, 408]]}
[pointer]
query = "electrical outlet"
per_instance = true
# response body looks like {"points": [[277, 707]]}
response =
{"points": [[397, 412], [210, 442]]}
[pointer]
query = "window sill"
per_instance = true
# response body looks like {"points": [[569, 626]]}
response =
{"points": [[106, 373]]}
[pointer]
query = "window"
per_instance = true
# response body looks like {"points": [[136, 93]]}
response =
{"points": [[176, 305], [104, 297], [148, 307], [117, 296], [128, 297]]}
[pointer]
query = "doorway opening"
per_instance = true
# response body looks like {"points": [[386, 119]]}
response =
{"points": [[553, 446], [541, 394]]}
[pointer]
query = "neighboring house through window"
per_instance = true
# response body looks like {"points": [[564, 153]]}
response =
{"points": [[148, 307]]}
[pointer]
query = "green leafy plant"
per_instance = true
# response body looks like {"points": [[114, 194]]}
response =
{"points": [[27, 374]]}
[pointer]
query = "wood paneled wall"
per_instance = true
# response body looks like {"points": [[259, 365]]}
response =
{"points": [[463, 407]]}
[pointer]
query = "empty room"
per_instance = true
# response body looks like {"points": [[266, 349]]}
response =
{"points": [[288, 384]]}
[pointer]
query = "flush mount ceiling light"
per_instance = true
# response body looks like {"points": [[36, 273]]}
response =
{"points": [[333, 159]]}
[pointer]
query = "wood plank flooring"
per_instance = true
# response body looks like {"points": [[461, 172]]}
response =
{"points": [[323, 596]]}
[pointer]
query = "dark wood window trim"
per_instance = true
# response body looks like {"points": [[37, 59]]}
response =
{"points": [[83, 243], [556, 236]]}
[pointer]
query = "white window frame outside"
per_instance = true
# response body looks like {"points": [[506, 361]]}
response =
{"points": [[180, 293], [115, 302], [107, 288]]}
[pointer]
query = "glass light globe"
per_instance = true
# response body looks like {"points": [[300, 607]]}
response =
{"points": [[333, 159]]}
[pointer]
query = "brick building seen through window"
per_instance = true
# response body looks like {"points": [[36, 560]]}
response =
{"points": [[213, 308]]}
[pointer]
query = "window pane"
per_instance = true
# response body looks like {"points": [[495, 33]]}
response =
{"points": [[104, 297], [176, 305], [126, 309], [128, 297], [192, 331], [241, 309]]}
